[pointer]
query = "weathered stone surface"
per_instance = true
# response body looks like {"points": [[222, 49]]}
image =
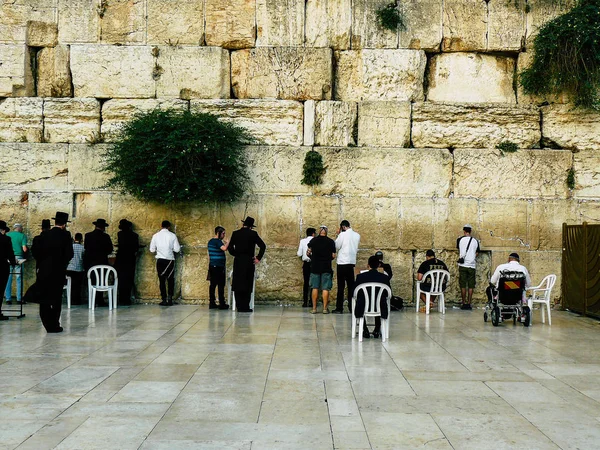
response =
{"points": [[506, 25], [89, 206], [21, 119], [545, 223], [400, 172], [43, 205], [464, 26], [543, 11], [146, 281], [570, 128], [146, 217], [402, 266], [523, 62], [276, 170], [474, 125], [471, 77], [230, 216], [416, 220], [328, 23], [384, 124], [270, 122], [14, 205], [194, 267], [366, 31], [118, 111], [71, 120], [309, 122], [53, 73], [180, 22], [193, 72], [484, 173], [280, 23], [41, 34], [423, 22], [377, 220], [380, 75], [33, 166], [320, 210], [283, 72], [335, 123], [231, 24], [15, 14], [123, 22], [15, 71], [195, 223], [503, 223], [78, 21], [104, 71], [587, 211], [542, 264], [280, 218], [450, 215], [587, 174], [271, 284], [85, 164]]}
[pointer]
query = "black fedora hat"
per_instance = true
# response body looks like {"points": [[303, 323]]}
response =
{"points": [[61, 217], [46, 224], [101, 223], [249, 222], [2, 225], [124, 224]]}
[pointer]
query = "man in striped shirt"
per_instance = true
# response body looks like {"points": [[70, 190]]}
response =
{"points": [[216, 268]]}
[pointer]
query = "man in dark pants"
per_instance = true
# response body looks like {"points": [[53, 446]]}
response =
{"points": [[7, 258], [128, 247], [346, 245], [165, 244], [98, 246], [217, 262], [242, 246], [53, 255], [372, 276], [302, 249]]}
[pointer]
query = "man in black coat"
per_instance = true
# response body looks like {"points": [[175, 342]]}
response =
{"points": [[53, 252], [371, 276], [7, 258], [242, 246], [98, 246], [128, 247]]}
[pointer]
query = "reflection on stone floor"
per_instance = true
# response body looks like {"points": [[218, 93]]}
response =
{"points": [[185, 377]]}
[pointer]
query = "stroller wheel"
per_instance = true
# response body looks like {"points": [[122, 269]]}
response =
{"points": [[527, 313], [485, 316], [495, 316]]}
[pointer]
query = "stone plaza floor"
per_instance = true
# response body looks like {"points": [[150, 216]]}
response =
{"points": [[184, 377]]}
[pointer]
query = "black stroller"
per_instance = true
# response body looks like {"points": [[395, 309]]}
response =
{"points": [[506, 302]]}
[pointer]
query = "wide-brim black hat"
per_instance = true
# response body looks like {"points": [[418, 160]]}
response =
{"points": [[100, 223], [61, 216], [124, 224], [249, 222], [2, 225]]}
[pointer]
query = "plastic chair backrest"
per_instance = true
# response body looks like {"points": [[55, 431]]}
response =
{"points": [[373, 291], [436, 278], [102, 274], [510, 287], [546, 286]]}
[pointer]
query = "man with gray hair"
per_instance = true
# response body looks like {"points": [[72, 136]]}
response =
{"points": [[19, 245]]}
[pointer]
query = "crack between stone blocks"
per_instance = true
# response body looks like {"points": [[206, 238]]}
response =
{"points": [[487, 25]]}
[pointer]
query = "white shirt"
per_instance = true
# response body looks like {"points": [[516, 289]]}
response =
{"points": [[303, 247], [164, 243], [513, 266], [347, 246], [471, 255]]}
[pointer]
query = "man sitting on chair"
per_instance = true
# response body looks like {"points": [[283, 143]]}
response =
{"points": [[371, 276], [430, 263], [513, 265]]}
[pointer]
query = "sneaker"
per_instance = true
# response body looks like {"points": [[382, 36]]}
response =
{"points": [[337, 311], [9, 302], [326, 311]]}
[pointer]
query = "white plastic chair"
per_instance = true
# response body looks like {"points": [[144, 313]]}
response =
{"points": [[68, 288], [102, 275], [231, 294], [437, 278], [541, 294], [372, 308]]}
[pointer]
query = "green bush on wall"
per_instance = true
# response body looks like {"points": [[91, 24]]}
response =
{"points": [[171, 156], [313, 169], [390, 17], [567, 56]]}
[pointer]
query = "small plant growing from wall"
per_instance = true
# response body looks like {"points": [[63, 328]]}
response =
{"points": [[567, 56], [313, 169], [390, 18], [507, 147], [179, 156], [571, 179]]}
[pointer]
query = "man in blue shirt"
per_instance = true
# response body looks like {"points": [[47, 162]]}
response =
{"points": [[19, 244], [216, 268]]}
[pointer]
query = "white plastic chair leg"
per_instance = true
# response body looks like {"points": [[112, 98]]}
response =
{"points": [[353, 326], [383, 330], [548, 310], [361, 324], [442, 304], [427, 303]]}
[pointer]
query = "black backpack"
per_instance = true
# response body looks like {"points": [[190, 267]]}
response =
{"points": [[396, 304]]}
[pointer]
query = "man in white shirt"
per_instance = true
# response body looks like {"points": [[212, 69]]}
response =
{"points": [[302, 248], [164, 244], [513, 265], [346, 245], [468, 249]]}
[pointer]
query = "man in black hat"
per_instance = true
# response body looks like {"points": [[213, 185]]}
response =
{"points": [[98, 246], [128, 247], [46, 226], [242, 246], [53, 253], [7, 258]]}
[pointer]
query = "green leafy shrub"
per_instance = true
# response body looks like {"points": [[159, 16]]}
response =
{"points": [[390, 17], [313, 169], [507, 147], [567, 56], [571, 179], [169, 156]]}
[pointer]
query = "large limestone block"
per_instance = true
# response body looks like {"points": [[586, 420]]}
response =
{"points": [[89, 206], [545, 224], [328, 23], [123, 22], [230, 216], [380, 75], [524, 61], [231, 24], [54, 72], [571, 128], [335, 123], [284, 72], [472, 78], [587, 174], [193, 72], [450, 215], [146, 217], [15, 71], [320, 210], [146, 281], [78, 21], [384, 124], [194, 267], [175, 22], [44, 205], [107, 71], [33, 166], [506, 25], [276, 170], [465, 26], [366, 31], [269, 122], [195, 222], [14, 15], [71, 120], [400, 172], [402, 266], [14, 205], [541, 264], [423, 24], [279, 276], [85, 167], [41, 34], [280, 217], [280, 23], [416, 223], [21, 119], [503, 223], [474, 125], [482, 173], [116, 112], [377, 220], [543, 11]]}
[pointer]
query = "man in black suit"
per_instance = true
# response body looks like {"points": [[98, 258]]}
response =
{"points": [[53, 252], [242, 246], [7, 258], [98, 246], [371, 276]]}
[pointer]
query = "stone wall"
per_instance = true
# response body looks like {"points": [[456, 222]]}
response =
{"points": [[407, 124]]}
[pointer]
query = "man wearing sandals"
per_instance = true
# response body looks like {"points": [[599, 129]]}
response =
{"points": [[321, 251]]}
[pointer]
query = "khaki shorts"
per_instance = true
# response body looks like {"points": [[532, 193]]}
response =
{"points": [[323, 281], [466, 277]]}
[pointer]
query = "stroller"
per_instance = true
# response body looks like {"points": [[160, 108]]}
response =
{"points": [[506, 302]]}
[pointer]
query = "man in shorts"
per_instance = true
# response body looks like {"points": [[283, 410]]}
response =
{"points": [[321, 251], [468, 249]]}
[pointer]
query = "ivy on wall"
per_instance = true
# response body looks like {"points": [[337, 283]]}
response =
{"points": [[313, 169], [390, 17]]}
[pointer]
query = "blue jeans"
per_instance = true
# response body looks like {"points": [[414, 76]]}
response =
{"points": [[17, 270]]}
